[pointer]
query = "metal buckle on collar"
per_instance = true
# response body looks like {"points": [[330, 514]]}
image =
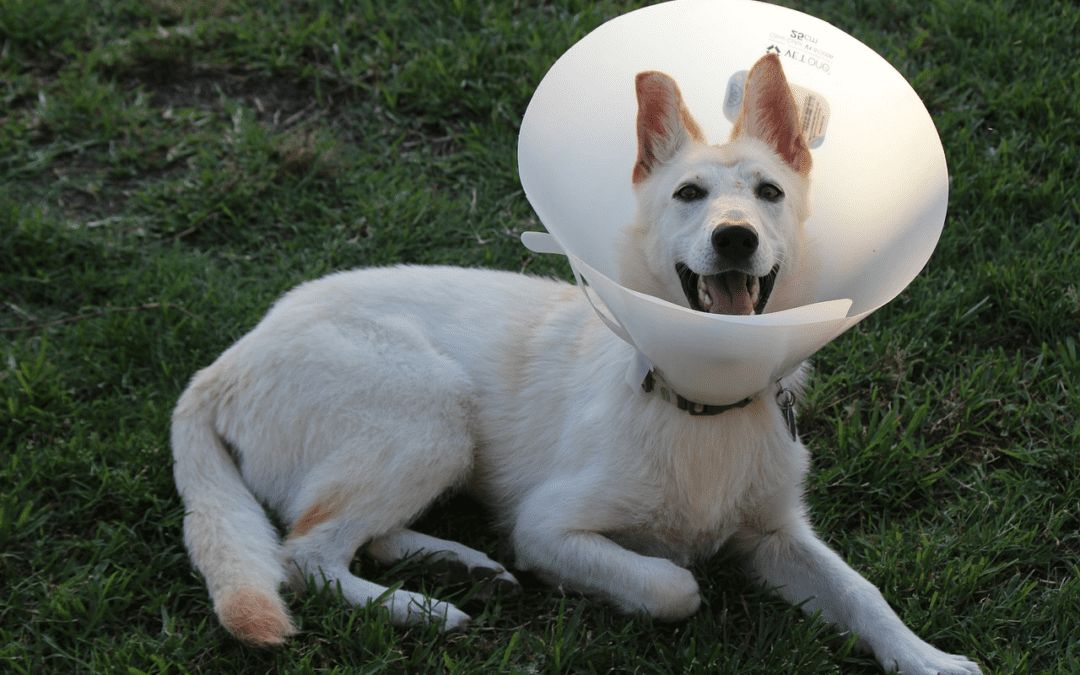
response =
{"points": [[695, 409]]}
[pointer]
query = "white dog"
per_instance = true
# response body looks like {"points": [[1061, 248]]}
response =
{"points": [[364, 396]]}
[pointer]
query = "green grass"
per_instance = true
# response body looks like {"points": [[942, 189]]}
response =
{"points": [[169, 167]]}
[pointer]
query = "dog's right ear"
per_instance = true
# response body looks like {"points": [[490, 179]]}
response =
{"points": [[663, 122]]}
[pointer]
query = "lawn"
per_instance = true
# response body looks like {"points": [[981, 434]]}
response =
{"points": [[169, 167]]}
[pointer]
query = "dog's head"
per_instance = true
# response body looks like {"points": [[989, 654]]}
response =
{"points": [[718, 227]]}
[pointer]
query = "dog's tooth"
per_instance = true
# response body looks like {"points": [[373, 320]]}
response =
{"points": [[704, 297]]}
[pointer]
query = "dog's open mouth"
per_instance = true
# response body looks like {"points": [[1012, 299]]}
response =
{"points": [[728, 292]]}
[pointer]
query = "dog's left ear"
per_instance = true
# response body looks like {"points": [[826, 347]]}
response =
{"points": [[769, 114], [663, 122]]}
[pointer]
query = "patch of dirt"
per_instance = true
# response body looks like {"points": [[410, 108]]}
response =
{"points": [[278, 102]]}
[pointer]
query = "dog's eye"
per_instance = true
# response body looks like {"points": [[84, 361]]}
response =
{"points": [[769, 192], [690, 193]]}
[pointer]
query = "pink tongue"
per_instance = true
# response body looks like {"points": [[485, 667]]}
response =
{"points": [[729, 293]]}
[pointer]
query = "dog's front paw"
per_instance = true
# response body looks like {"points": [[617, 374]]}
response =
{"points": [[923, 659], [671, 593], [410, 609], [496, 581]]}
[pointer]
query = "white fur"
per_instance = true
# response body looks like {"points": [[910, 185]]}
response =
{"points": [[363, 396]]}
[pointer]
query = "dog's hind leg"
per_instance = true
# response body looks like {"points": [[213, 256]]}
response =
{"points": [[359, 507], [401, 438], [462, 563]]}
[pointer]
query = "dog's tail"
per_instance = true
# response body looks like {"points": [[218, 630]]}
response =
{"points": [[227, 533]]}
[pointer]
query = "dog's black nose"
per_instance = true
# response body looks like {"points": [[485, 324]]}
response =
{"points": [[735, 243]]}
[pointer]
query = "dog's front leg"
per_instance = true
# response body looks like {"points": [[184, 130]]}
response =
{"points": [[557, 535], [785, 554]]}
